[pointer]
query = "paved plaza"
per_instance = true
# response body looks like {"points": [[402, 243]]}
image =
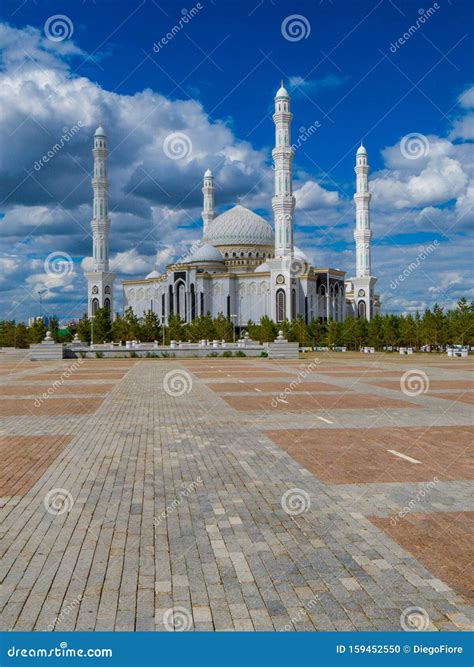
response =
{"points": [[328, 493]]}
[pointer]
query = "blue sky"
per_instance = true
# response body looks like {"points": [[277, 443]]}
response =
{"points": [[215, 81]]}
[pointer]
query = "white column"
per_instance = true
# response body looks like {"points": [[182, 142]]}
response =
{"points": [[363, 233], [100, 218], [283, 203], [208, 212]]}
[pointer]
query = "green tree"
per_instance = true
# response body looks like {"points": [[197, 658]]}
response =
{"points": [[375, 332], [36, 332], [176, 329], [83, 329], [150, 329], [102, 326], [223, 328]]}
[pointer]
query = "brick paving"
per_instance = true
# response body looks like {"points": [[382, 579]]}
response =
{"points": [[165, 499]]}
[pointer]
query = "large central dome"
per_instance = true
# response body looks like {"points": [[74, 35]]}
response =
{"points": [[239, 226]]}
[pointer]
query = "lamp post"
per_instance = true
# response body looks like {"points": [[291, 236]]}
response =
{"points": [[92, 330], [163, 320], [233, 318], [40, 294]]}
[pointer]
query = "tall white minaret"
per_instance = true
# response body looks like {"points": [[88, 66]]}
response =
{"points": [[283, 203], [363, 233], [208, 212], [100, 280], [361, 292]]}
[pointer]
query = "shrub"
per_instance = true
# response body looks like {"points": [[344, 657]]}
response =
{"points": [[133, 354], [263, 353], [239, 353], [99, 355], [228, 353]]}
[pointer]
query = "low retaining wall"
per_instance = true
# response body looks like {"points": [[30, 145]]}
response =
{"points": [[75, 351]]}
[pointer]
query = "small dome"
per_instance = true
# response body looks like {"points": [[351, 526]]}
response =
{"points": [[261, 268], [100, 131], [153, 274], [205, 253], [361, 150], [282, 91], [239, 226], [207, 173]]}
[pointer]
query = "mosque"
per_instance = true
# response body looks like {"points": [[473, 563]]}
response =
{"points": [[243, 267]]}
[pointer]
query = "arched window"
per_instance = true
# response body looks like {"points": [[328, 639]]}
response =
{"points": [[361, 309], [293, 304], [107, 304], [170, 300], [193, 302], [280, 305], [95, 306]]}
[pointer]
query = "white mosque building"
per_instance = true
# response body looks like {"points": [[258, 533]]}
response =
{"points": [[244, 267]]}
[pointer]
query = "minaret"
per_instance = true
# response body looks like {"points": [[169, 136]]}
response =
{"points": [[100, 280], [361, 288], [208, 213], [363, 233], [283, 203]]}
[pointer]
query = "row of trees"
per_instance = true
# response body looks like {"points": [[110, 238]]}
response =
{"points": [[434, 327]]}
